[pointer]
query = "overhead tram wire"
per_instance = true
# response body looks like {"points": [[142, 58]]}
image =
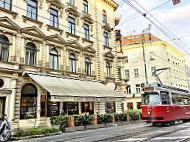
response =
{"points": [[159, 22], [149, 11], [144, 15]]}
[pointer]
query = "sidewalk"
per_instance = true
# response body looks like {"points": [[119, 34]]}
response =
{"points": [[81, 128]]}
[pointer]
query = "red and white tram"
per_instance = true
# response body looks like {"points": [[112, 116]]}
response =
{"points": [[164, 104]]}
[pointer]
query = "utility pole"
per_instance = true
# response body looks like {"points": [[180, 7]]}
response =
{"points": [[144, 57]]}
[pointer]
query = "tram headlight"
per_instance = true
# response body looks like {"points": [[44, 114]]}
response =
{"points": [[149, 113]]}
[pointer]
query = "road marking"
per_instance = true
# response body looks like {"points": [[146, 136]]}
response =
{"points": [[170, 138], [132, 140]]}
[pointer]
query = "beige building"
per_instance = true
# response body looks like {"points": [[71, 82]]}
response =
{"points": [[187, 69], [158, 54], [56, 55]]}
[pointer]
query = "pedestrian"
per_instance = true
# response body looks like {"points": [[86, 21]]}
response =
{"points": [[62, 112]]}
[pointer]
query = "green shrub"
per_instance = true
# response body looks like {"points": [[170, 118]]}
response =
{"points": [[102, 118], [79, 120], [59, 120], [36, 131], [89, 119]]}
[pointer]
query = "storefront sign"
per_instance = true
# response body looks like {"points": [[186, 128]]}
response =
{"points": [[83, 99]]}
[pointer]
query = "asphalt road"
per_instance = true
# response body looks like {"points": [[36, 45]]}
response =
{"points": [[139, 132]]}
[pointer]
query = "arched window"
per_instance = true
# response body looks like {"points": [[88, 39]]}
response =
{"points": [[4, 48], [30, 54], [108, 68], [87, 66], [28, 101], [104, 16], [85, 6], [54, 59], [72, 63]]}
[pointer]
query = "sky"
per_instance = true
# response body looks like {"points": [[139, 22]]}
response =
{"points": [[176, 18]]}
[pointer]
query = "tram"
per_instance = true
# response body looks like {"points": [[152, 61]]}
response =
{"points": [[164, 104]]}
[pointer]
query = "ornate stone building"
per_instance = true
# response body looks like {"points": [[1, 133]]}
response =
{"points": [[55, 55], [158, 54]]}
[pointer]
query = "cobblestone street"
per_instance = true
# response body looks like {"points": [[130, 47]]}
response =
{"points": [[128, 133]]}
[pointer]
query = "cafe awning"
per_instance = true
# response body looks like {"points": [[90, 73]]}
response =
{"points": [[71, 89]]}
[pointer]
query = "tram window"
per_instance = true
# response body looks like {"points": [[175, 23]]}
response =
{"points": [[150, 99], [165, 98]]}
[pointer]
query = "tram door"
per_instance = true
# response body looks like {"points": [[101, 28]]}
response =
{"points": [[2, 107]]}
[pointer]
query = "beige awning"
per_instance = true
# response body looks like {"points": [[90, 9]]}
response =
{"points": [[70, 89]]}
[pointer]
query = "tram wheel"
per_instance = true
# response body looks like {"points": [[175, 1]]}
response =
{"points": [[154, 123], [172, 123]]}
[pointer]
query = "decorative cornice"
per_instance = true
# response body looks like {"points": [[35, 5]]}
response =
{"points": [[113, 4]]}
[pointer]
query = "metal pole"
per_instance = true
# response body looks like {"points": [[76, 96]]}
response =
{"points": [[144, 59]]}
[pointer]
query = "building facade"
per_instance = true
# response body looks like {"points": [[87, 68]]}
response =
{"points": [[158, 54], [48, 51]]}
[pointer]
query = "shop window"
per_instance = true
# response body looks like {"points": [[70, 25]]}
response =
{"points": [[139, 105], [28, 102], [30, 54], [110, 107], [72, 63], [130, 105], [4, 48], [52, 107], [72, 108], [54, 59], [6, 4], [87, 107]]}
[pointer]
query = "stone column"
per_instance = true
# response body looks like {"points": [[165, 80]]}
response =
{"points": [[22, 50], [79, 105], [40, 55], [118, 107], [13, 50], [47, 56], [102, 108]]}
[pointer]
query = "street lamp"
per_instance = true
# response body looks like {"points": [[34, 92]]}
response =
{"points": [[144, 59]]}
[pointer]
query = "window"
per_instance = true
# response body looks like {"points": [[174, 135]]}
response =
{"points": [[28, 101], [138, 88], [104, 16], [86, 31], [165, 98], [72, 2], [136, 71], [130, 105], [6, 4], [128, 88], [153, 69], [119, 73], [53, 18], [72, 62], [108, 68], [54, 59], [106, 41], [71, 25], [127, 75], [85, 6], [139, 105], [30, 54], [32, 9], [110, 107], [87, 67], [52, 107], [126, 60], [87, 107], [4, 48], [152, 56], [150, 98], [72, 108]]}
